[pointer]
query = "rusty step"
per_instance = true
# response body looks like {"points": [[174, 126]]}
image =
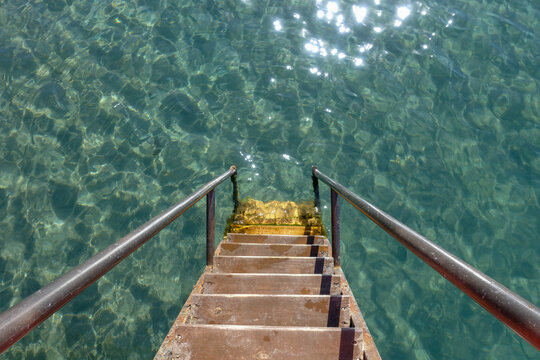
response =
{"points": [[276, 239], [305, 284], [234, 342], [256, 249], [272, 310], [273, 264]]}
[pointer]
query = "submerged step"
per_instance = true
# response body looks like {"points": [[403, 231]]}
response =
{"points": [[276, 239], [273, 310], [273, 264], [276, 229], [257, 249], [234, 342], [311, 284]]}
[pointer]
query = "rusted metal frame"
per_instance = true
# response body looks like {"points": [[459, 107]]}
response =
{"points": [[357, 320], [30, 312], [210, 227], [514, 311]]}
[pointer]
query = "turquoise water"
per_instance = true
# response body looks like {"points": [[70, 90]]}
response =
{"points": [[112, 110]]}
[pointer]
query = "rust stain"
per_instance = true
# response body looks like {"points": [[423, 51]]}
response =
{"points": [[266, 338], [304, 291], [268, 262], [319, 306], [279, 249], [230, 246]]}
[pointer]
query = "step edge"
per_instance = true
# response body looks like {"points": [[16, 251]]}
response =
{"points": [[270, 327], [272, 256], [270, 275], [305, 296], [271, 244], [274, 235]]}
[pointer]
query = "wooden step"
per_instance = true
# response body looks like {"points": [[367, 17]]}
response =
{"points": [[233, 342], [312, 284], [271, 310], [256, 249], [273, 264], [276, 239]]}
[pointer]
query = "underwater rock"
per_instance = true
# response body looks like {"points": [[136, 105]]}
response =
{"points": [[103, 319], [388, 84], [201, 81], [504, 102], [24, 63], [55, 5], [174, 171], [6, 294], [205, 46], [53, 96], [70, 139], [29, 286], [161, 68], [6, 56], [136, 96], [78, 327], [111, 81], [477, 114], [163, 45], [63, 199], [3, 205], [170, 153], [112, 57], [163, 72], [232, 81], [182, 109], [39, 125], [531, 109], [64, 48], [443, 66], [169, 26], [101, 123], [108, 57]]}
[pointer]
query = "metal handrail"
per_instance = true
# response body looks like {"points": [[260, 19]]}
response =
{"points": [[19, 320], [515, 312]]}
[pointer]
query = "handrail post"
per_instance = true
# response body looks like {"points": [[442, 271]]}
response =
{"points": [[334, 204], [210, 227], [315, 181], [235, 196]]}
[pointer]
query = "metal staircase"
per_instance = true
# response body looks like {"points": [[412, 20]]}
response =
{"points": [[268, 296]]}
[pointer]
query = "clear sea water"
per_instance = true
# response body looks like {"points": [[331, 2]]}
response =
{"points": [[110, 111]]}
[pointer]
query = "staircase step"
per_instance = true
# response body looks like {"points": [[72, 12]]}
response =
{"points": [[233, 342], [276, 229], [273, 264], [276, 239], [256, 249], [313, 284], [272, 310]]}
